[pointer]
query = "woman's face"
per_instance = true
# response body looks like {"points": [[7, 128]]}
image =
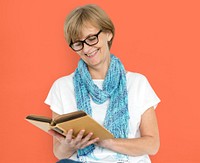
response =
{"points": [[98, 55]]}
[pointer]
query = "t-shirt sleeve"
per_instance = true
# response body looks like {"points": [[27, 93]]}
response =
{"points": [[147, 97], [54, 99]]}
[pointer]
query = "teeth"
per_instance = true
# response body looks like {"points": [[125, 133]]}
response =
{"points": [[91, 54]]}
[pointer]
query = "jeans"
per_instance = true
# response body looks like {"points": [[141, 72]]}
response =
{"points": [[67, 161]]}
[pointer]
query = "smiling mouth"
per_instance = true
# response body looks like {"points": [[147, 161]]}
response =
{"points": [[92, 54]]}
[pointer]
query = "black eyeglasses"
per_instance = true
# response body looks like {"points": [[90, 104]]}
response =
{"points": [[90, 40]]}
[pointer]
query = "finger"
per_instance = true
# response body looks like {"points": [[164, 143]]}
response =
{"points": [[87, 138], [93, 141], [78, 139], [56, 135], [79, 136], [69, 136], [85, 141]]}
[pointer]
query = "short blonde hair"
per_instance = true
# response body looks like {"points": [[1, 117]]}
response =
{"points": [[88, 14]]}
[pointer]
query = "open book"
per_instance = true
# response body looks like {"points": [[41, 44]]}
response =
{"points": [[77, 121]]}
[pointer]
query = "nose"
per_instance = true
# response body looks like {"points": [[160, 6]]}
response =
{"points": [[86, 49]]}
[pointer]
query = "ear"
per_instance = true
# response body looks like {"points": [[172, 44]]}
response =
{"points": [[109, 35]]}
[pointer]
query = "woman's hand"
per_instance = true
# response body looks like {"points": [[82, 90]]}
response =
{"points": [[72, 144]]}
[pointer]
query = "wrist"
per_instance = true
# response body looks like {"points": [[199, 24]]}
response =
{"points": [[108, 143], [63, 151]]}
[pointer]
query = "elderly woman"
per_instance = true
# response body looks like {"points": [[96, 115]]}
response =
{"points": [[120, 100]]}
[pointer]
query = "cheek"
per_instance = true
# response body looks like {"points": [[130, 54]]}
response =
{"points": [[103, 44]]}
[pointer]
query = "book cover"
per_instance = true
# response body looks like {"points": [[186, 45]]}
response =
{"points": [[77, 121]]}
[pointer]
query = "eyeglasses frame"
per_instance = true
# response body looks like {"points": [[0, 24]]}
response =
{"points": [[83, 41]]}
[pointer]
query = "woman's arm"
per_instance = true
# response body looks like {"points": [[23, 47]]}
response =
{"points": [[148, 143], [64, 147]]}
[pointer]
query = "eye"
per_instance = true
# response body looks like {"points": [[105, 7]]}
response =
{"points": [[91, 39], [77, 44]]}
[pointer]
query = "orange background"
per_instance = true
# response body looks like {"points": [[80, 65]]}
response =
{"points": [[160, 39]]}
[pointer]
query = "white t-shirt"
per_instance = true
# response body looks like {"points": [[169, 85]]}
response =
{"points": [[141, 96]]}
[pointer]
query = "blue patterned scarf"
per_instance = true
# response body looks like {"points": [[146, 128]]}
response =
{"points": [[114, 88]]}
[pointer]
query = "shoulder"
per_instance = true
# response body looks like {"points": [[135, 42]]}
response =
{"points": [[63, 84], [136, 83], [134, 77], [64, 80], [61, 95], [141, 92]]}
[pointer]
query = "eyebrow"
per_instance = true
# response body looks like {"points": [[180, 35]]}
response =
{"points": [[86, 37]]}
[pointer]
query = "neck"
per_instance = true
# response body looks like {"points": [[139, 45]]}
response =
{"points": [[99, 71]]}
